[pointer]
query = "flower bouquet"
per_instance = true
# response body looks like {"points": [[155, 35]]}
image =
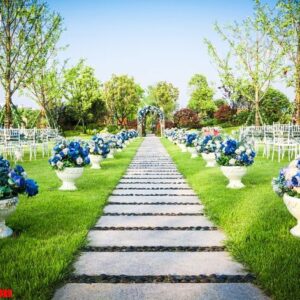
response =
{"points": [[13, 181], [287, 185], [233, 157], [207, 146], [190, 143], [68, 160], [181, 138]]}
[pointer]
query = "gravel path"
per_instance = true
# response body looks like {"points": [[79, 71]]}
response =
{"points": [[154, 242]]}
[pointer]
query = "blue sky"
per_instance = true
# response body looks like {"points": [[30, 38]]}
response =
{"points": [[151, 40]]}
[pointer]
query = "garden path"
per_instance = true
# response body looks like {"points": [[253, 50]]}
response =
{"points": [[154, 242]]}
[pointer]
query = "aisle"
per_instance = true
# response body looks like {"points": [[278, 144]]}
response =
{"points": [[154, 242]]}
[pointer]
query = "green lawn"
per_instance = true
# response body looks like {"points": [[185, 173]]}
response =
{"points": [[255, 220], [51, 228]]}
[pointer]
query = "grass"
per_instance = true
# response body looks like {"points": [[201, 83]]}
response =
{"points": [[52, 227], [255, 220]]}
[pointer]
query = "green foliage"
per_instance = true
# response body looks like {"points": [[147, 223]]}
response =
{"points": [[201, 99], [82, 90], [122, 96], [165, 96]]}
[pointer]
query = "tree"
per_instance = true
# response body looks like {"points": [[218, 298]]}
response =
{"points": [[285, 32], [275, 106], [82, 90], [21, 22], [224, 113], [187, 118], [202, 94], [122, 96], [165, 96], [253, 57]]}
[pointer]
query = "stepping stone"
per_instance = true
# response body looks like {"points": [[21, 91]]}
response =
{"points": [[141, 209], [153, 221], [171, 238], [158, 193], [154, 199], [139, 186], [156, 181], [159, 291], [157, 263]]}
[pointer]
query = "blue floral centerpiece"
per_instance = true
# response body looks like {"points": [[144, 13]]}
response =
{"points": [[233, 157], [287, 185], [13, 181], [207, 146], [191, 137], [68, 160]]}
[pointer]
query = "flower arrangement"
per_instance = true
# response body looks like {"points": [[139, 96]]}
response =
{"points": [[235, 153], [288, 181], [190, 138], [69, 154], [208, 143], [211, 130], [98, 146], [14, 181]]}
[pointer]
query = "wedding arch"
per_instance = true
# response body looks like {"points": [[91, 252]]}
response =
{"points": [[142, 114]]}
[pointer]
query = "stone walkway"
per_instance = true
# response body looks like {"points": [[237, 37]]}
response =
{"points": [[153, 242]]}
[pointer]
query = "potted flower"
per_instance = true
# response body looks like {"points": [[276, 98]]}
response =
{"points": [[95, 153], [112, 144], [12, 183], [182, 140], [233, 157], [207, 146], [190, 139], [287, 185], [68, 160]]}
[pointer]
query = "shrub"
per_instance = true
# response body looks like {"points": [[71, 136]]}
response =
{"points": [[224, 113], [186, 118]]}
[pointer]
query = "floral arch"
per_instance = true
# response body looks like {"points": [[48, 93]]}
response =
{"points": [[142, 113]]}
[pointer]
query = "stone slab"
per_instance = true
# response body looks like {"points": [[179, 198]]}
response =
{"points": [[145, 192], [156, 181], [141, 209], [171, 238], [157, 186], [153, 199], [157, 263], [159, 291], [153, 221], [156, 177]]}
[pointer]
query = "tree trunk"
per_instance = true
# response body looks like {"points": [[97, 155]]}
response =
{"points": [[8, 111], [297, 98], [257, 117]]}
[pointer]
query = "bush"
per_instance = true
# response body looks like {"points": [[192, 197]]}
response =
{"points": [[112, 128], [186, 118], [224, 113]]}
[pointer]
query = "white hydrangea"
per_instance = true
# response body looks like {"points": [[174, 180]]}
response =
{"points": [[65, 151], [238, 151], [79, 161], [242, 148], [59, 164], [249, 151], [232, 161]]}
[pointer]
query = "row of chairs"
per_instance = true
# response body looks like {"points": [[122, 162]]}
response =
{"points": [[274, 139], [14, 142]]}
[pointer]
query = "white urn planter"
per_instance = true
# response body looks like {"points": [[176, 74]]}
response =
{"points": [[235, 175], [210, 159], [110, 154], [68, 177], [95, 161], [293, 206], [193, 151], [7, 207], [183, 148]]}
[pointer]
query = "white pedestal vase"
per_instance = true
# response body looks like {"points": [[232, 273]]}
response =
{"points": [[7, 207], [68, 177], [234, 174], [210, 159], [111, 154], [95, 161], [293, 206], [193, 151], [183, 148]]}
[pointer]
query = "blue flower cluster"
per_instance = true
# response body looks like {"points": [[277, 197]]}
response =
{"points": [[15, 181], [190, 138], [235, 153], [288, 180], [99, 146], [208, 143], [70, 154]]}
